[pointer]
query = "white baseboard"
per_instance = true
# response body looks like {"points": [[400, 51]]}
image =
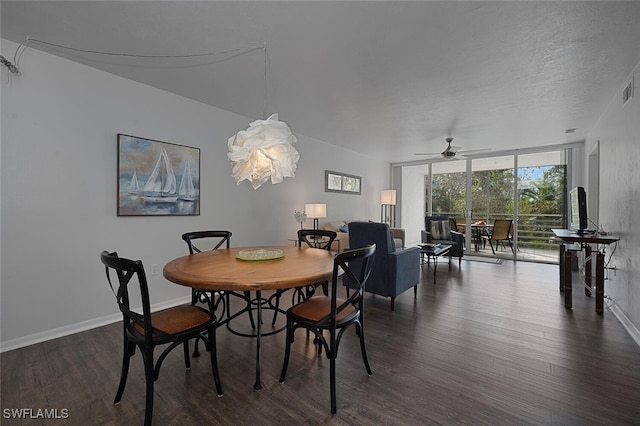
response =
{"points": [[626, 323], [67, 330]]}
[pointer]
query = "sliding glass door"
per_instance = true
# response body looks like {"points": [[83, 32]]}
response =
{"points": [[523, 192], [492, 206], [449, 192], [542, 189], [449, 188]]}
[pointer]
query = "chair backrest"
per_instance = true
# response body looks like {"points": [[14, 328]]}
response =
{"points": [[216, 238], [452, 222], [429, 219], [317, 238], [356, 265], [501, 229], [362, 234], [126, 270]]}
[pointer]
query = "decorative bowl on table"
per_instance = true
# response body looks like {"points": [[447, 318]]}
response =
{"points": [[260, 254]]}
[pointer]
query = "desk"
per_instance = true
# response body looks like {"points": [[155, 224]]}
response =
{"points": [[566, 257], [219, 270]]}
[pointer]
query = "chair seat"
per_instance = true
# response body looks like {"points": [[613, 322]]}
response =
{"points": [[318, 307], [178, 319]]}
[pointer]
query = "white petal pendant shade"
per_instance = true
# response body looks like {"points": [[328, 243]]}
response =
{"points": [[265, 150]]}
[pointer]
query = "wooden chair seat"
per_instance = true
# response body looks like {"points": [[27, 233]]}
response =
{"points": [[319, 307], [177, 320]]}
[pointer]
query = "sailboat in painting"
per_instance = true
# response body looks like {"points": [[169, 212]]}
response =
{"points": [[186, 190], [134, 186], [161, 185]]}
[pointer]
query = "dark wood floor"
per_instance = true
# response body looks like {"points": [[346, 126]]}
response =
{"points": [[488, 344]]}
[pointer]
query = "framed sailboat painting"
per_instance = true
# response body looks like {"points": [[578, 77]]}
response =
{"points": [[157, 178]]}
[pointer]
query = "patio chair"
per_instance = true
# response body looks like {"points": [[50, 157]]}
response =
{"points": [[500, 233]]}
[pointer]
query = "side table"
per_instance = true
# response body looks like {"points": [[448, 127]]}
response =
{"points": [[434, 251]]}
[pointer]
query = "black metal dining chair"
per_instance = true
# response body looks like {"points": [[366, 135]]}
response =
{"points": [[146, 330], [314, 238], [320, 313], [320, 239], [213, 240]]}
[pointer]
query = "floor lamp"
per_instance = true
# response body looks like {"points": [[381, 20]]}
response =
{"points": [[388, 207], [315, 211]]}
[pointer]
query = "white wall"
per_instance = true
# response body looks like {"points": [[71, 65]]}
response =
{"points": [[618, 131], [413, 207], [60, 122]]}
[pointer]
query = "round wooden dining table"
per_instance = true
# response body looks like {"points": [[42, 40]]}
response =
{"points": [[222, 270]]}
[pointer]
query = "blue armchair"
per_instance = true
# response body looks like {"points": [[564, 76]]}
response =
{"points": [[394, 271], [454, 239]]}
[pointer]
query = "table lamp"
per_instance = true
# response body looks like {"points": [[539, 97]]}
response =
{"points": [[315, 211], [387, 207]]}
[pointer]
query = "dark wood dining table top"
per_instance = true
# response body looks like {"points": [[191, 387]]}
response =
{"points": [[220, 269]]}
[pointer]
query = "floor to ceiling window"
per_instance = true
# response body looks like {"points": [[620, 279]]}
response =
{"points": [[492, 205], [542, 188], [525, 193], [448, 188]]}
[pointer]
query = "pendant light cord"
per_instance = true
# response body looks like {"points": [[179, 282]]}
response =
{"points": [[264, 95], [15, 69], [132, 55]]}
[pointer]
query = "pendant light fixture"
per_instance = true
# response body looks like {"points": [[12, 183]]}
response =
{"points": [[265, 150]]}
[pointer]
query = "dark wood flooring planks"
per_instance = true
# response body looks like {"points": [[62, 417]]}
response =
{"points": [[487, 344]]}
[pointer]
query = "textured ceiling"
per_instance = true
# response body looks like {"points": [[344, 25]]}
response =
{"points": [[387, 78]]}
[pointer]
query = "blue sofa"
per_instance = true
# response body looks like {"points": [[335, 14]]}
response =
{"points": [[394, 270]]}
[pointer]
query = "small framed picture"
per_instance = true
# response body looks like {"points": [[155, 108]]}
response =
{"points": [[342, 182]]}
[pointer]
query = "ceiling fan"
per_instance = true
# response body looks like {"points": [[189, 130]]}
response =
{"points": [[452, 152]]}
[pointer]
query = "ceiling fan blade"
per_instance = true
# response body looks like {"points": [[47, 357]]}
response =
{"points": [[474, 151], [427, 153]]}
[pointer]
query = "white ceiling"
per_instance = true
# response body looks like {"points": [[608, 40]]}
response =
{"points": [[388, 78]]}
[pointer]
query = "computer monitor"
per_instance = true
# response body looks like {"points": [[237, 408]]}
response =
{"points": [[578, 210]]}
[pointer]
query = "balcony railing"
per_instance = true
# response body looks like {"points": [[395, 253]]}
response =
{"points": [[534, 230]]}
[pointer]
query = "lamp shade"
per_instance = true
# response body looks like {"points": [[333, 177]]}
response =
{"points": [[388, 197], [315, 211], [264, 151]]}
